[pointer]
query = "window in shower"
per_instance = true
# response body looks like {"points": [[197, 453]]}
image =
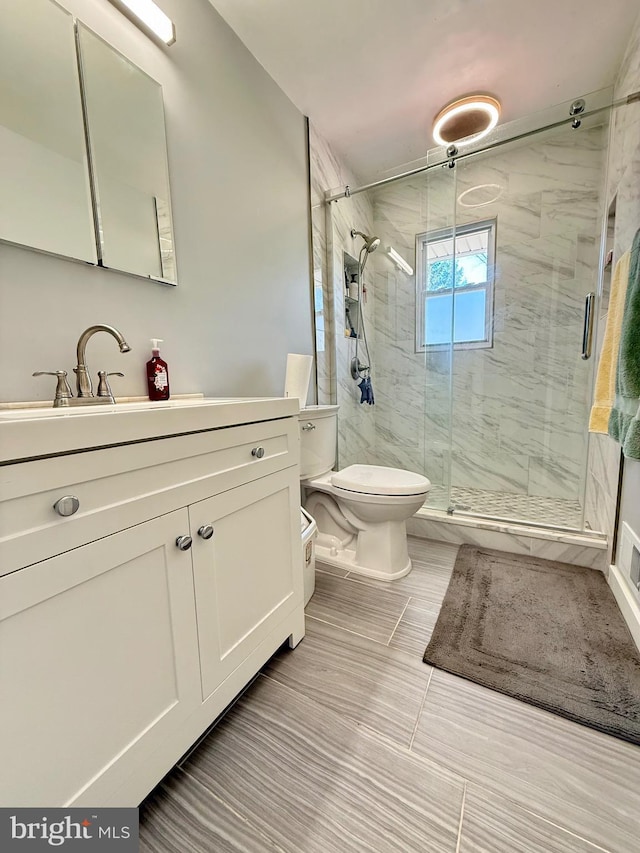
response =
{"points": [[454, 286]]}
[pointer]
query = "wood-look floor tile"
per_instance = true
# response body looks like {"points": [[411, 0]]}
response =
{"points": [[356, 607], [331, 570], [493, 824], [182, 816], [285, 772], [573, 776], [357, 677], [436, 554], [317, 783], [429, 577], [414, 630]]}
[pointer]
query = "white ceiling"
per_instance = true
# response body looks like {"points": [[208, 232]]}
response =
{"points": [[371, 74]]}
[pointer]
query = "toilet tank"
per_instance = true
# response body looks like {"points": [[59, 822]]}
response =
{"points": [[318, 436]]}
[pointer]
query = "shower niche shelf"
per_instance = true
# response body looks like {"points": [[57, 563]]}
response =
{"points": [[351, 303]]}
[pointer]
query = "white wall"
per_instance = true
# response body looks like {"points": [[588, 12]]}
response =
{"points": [[237, 162]]}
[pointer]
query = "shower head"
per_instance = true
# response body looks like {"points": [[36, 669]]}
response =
{"points": [[370, 243]]}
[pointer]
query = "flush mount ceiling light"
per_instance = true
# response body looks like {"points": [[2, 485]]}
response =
{"points": [[466, 120], [149, 17]]}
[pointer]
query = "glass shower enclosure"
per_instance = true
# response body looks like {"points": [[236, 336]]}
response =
{"points": [[477, 339]]}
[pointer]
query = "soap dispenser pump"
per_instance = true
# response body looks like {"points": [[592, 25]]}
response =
{"points": [[157, 373]]}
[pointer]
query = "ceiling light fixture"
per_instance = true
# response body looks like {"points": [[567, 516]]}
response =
{"points": [[466, 120], [399, 261], [149, 17]]}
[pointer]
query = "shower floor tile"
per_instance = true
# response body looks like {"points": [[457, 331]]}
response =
{"points": [[527, 508]]}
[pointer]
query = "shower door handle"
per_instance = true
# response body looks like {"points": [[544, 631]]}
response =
{"points": [[587, 332]]}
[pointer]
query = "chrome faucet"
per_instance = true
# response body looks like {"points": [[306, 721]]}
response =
{"points": [[83, 379]]}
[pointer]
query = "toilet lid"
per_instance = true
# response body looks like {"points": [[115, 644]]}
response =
{"points": [[378, 480]]}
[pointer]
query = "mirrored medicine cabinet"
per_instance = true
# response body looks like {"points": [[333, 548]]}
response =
{"points": [[83, 155]]}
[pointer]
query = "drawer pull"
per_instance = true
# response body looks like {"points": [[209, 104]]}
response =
{"points": [[184, 542], [206, 531], [67, 505], [308, 427], [258, 452]]}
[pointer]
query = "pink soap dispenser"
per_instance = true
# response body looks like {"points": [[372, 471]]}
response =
{"points": [[157, 373]]}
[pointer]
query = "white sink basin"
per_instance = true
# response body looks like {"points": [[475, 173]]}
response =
{"points": [[31, 432]]}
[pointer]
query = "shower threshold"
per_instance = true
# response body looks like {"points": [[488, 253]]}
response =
{"points": [[582, 548], [506, 507], [501, 519]]}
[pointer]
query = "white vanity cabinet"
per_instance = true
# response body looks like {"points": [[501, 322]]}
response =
{"points": [[98, 663], [117, 648]]}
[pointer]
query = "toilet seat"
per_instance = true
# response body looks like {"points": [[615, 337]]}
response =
{"points": [[380, 480], [361, 511]]}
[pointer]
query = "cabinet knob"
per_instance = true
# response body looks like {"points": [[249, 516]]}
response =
{"points": [[308, 426], [67, 505], [206, 531], [184, 542], [258, 452]]}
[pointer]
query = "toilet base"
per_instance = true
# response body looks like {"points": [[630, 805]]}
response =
{"points": [[345, 558]]}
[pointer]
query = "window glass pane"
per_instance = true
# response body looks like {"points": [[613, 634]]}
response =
{"points": [[471, 254], [437, 319], [440, 275], [469, 320], [474, 269]]}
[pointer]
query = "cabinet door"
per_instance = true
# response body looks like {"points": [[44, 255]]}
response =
{"points": [[98, 666], [248, 576]]}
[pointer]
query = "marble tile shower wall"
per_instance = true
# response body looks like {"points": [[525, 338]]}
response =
{"points": [[324, 172], [513, 417], [623, 188], [412, 417], [331, 225]]}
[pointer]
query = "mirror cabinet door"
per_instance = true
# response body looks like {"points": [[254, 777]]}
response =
{"points": [[127, 141], [45, 201]]}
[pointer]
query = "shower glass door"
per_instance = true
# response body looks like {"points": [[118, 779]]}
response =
{"points": [[522, 255], [413, 381], [475, 316]]}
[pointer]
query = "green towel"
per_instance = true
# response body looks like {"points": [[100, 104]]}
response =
{"points": [[624, 421]]}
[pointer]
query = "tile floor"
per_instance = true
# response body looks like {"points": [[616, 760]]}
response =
{"points": [[557, 512], [350, 744]]}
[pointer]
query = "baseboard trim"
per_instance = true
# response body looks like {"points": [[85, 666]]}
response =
{"points": [[626, 602]]}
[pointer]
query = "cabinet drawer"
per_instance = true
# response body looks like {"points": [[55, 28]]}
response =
{"points": [[121, 486]]}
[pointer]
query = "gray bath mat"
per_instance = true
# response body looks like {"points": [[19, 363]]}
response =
{"points": [[545, 632]]}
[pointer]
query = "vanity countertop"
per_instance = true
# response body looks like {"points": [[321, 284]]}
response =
{"points": [[30, 431]]}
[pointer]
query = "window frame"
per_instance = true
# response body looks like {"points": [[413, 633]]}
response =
{"points": [[422, 294]]}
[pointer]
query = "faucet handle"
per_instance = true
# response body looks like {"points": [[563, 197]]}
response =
{"points": [[63, 391], [104, 389]]}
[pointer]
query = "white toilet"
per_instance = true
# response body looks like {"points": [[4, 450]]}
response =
{"points": [[360, 511]]}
